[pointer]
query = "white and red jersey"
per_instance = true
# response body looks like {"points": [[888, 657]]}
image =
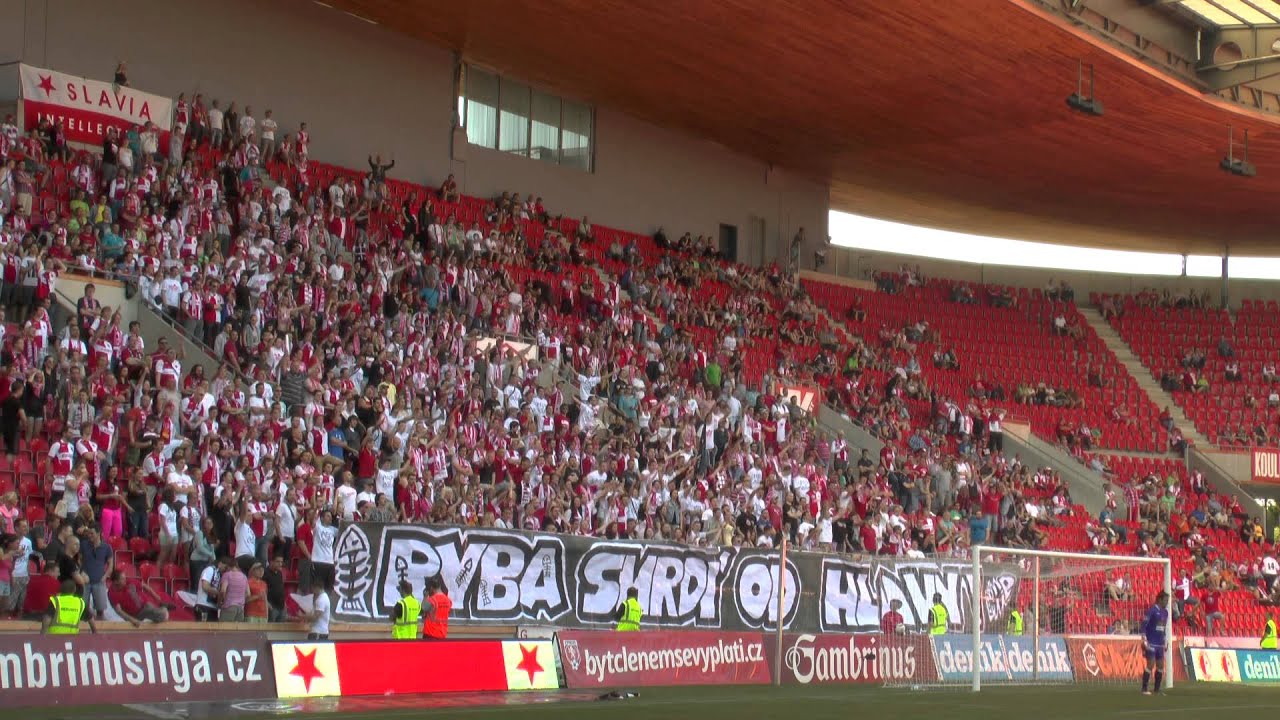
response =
{"points": [[62, 456], [104, 434], [168, 373], [87, 450], [438, 462]]}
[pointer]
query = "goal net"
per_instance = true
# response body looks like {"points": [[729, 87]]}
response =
{"points": [[1022, 617]]}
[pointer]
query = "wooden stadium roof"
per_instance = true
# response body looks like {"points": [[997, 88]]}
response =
{"points": [[950, 114]]}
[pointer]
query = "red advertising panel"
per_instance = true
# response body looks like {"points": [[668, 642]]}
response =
{"points": [[870, 658], [320, 669], [133, 668], [1103, 657], [611, 659], [1266, 465]]}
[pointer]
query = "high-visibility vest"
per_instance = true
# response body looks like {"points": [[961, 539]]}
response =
{"points": [[406, 622], [435, 624], [938, 624], [1015, 623], [631, 612], [67, 612], [1269, 635]]}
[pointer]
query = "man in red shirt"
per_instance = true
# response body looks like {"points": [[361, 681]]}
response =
{"points": [[891, 623], [40, 590], [1213, 609], [134, 601], [866, 535]]}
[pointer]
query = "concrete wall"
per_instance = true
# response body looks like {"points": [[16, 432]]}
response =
{"points": [[108, 292], [363, 89]]}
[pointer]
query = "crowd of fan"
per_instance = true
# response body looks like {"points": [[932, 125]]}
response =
{"points": [[355, 382]]}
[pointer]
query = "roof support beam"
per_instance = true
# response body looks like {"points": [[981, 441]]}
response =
{"points": [[1230, 57]]}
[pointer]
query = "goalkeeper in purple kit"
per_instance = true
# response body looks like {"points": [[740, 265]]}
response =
{"points": [[1153, 629]]}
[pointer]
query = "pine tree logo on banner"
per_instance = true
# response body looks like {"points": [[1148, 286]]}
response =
{"points": [[354, 571]]}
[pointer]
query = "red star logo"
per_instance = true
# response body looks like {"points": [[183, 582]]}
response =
{"points": [[306, 667], [46, 84], [529, 661]]}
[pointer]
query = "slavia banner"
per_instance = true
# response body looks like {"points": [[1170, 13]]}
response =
{"points": [[134, 668], [662, 657], [86, 108], [509, 577]]}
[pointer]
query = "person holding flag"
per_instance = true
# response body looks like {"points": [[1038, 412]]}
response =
{"points": [[1153, 629]]}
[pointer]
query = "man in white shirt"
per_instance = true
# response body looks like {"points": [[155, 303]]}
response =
{"points": [[215, 124], [320, 611], [345, 502], [325, 536], [171, 289], [287, 521], [21, 565], [268, 145], [1270, 569], [178, 479], [247, 123], [206, 607]]}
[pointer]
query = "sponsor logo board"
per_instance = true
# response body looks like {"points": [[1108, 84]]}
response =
{"points": [[1003, 658], [1265, 465], [133, 668], [870, 658], [1213, 665], [1258, 666], [690, 657]]}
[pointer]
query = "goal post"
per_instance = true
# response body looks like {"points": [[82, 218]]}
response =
{"points": [[1061, 599]]}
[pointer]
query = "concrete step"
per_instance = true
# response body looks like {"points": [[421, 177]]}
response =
{"points": [[1145, 381]]}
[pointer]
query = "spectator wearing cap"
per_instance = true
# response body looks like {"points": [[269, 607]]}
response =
{"points": [[256, 605]]}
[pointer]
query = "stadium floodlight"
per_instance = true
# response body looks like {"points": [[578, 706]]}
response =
{"points": [[1239, 166], [1078, 101], [1020, 617]]}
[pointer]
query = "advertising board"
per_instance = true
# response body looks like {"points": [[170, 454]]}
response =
{"points": [[870, 658], [647, 658], [322, 669], [133, 668], [1003, 657]]}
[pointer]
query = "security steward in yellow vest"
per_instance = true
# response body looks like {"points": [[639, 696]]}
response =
{"points": [[629, 612], [1269, 633], [938, 616], [1015, 622], [65, 613], [404, 624]]}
